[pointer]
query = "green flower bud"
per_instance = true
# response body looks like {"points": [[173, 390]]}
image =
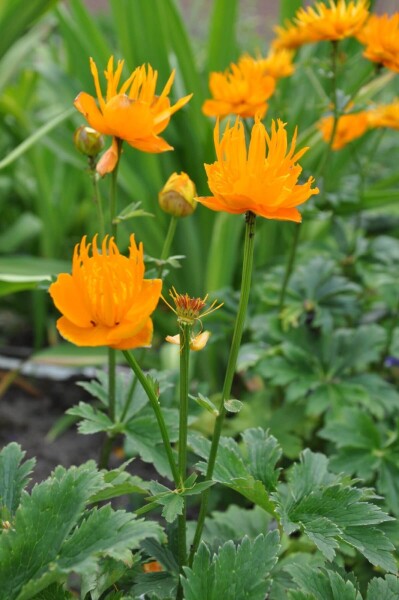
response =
{"points": [[177, 197], [88, 141]]}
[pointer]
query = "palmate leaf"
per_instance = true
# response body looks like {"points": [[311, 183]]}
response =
{"points": [[365, 450], [234, 572], [383, 589], [321, 584], [49, 538], [235, 523], [328, 510], [14, 476], [254, 475]]}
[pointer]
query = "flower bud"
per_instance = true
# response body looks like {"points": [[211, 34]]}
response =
{"points": [[177, 196], [88, 141]]}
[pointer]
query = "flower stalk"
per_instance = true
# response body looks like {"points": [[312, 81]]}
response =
{"points": [[185, 336], [231, 365], [152, 397]]}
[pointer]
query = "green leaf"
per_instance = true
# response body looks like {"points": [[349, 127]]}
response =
{"points": [[236, 473], [328, 509], [383, 589], [118, 483], [233, 406], [172, 501], [234, 572], [130, 212], [14, 476], [234, 524], [321, 584], [93, 420], [204, 402], [222, 44], [42, 523]]}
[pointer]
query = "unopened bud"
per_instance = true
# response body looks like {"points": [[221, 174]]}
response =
{"points": [[177, 196], [88, 141]]}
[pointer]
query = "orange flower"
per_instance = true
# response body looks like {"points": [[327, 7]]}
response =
{"points": [[381, 38], [241, 91], [290, 37], [349, 128], [134, 113], [106, 301], [278, 63], [385, 116], [263, 179], [336, 22]]}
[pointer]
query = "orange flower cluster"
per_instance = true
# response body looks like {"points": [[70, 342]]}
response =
{"points": [[278, 63], [133, 112], [381, 38], [243, 90], [385, 116], [106, 301], [263, 180], [349, 128], [337, 21]]}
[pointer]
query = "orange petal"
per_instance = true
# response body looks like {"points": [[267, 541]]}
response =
{"points": [[87, 105], [68, 299], [142, 339], [282, 214], [109, 159], [173, 339], [146, 301], [83, 336], [152, 144], [128, 119]]}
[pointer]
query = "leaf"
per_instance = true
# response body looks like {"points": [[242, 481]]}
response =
{"points": [[42, 523], [328, 509], [321, 584], [143, 437], [234, 572], [204, 402], [383, 589], [234, 524], [130, 212], [119, 483], [93, 420], [233, 406], [233, 471], [14, 476]]}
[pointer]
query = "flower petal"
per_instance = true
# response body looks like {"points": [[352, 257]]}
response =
{"points": [[142, 339], [87, 105], [95, 335], [68, 299]]}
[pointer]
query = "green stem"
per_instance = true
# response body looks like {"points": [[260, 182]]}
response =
{"points": [[289, 266], [152, 397], [231, 365], [167, 244], [97, 197], [185, 335], [327, 155], [113, 195], [106, 451], [129, 398]]}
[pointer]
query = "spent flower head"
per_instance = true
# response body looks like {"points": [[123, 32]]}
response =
{"points": [[189, 310]]}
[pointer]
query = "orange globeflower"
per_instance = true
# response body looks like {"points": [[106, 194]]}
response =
{"points": [[263, 179], [278, 63], [242, 91], [349, 128], [106, 301], [290, 37], [381, 38], [134, 113], [384, 116], [334, 22]]}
